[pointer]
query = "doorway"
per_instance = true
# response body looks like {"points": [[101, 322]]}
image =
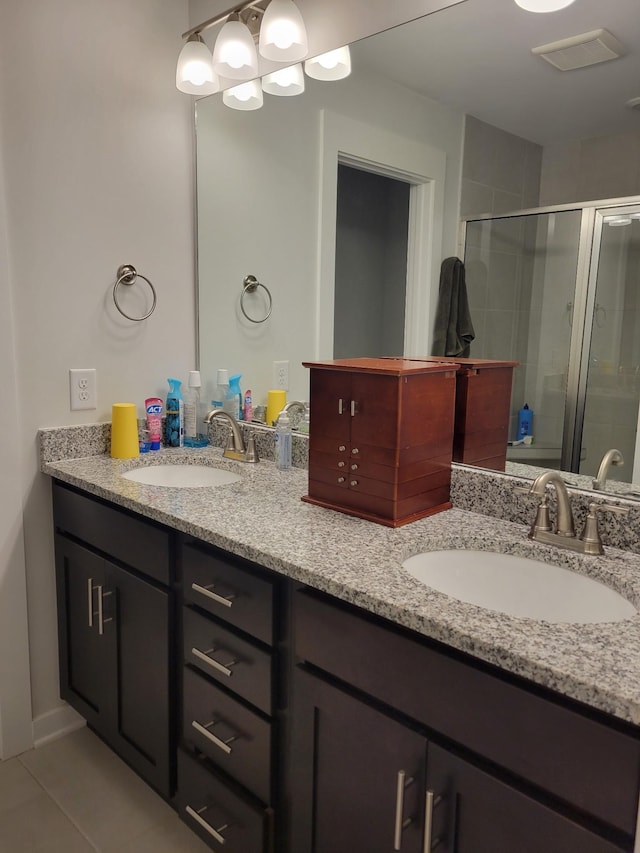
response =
{"points": [[372, 228]]}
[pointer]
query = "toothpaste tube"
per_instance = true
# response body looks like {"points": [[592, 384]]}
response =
{"points": [[153, 408]]}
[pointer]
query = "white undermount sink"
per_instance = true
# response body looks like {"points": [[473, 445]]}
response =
{"points": [[181, 476], [519, 586]]}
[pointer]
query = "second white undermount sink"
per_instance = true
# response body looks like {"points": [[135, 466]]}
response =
{"points": [[181, 476], [519, 586]]}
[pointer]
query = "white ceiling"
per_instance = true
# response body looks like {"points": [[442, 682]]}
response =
{"points": [[477, 58]]}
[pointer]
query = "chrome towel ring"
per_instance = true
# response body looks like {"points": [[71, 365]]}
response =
{"points": [[127, 274], [250, 285]]}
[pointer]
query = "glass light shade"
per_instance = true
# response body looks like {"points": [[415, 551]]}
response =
{"points": [[194, 71], [284, 81], [334, 65], [246, 96], [543, 5], [234, 53], [619, 220], [283, 36]]}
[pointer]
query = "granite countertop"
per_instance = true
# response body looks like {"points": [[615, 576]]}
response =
{"points": [[263, 519]]}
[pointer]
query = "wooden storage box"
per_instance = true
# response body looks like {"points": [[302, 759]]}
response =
{"points": [[381, 437], [483, 401]]}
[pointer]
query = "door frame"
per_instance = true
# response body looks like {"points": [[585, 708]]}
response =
{"points": [[382, 152]]}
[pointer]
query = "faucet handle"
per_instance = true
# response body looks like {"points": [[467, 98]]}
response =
{"points": [[523, 490], [590, 532], [251, 453]]}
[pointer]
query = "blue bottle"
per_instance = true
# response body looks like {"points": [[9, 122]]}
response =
{"points": [[175, 414], [525, 421]]}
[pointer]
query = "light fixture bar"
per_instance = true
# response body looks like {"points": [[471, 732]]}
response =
{"points": [[218, 19]]}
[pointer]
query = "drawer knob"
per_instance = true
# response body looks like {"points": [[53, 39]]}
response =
{"points": [[341, 464], [341, 448], [355, 451], [341, 479], [354, 466], [207, 591], [216, 741], [353, 483], [205, 657]]}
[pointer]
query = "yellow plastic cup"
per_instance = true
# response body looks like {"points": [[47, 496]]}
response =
{"points": [[276, 401], [124, 431]]}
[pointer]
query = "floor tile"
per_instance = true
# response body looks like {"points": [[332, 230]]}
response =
{"points": [[17, 786], [39, 826], [170, 836]]}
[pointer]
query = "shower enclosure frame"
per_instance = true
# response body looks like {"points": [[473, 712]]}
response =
{"points": [[588, 258]]}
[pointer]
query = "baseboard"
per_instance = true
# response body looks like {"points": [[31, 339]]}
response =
{"points": [[55, 724]]}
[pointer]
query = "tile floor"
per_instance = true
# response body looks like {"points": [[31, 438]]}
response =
{"points": [[76, 796]]}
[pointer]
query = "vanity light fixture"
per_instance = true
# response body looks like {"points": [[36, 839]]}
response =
{"points": [[278, 28], [285, 81], [616, 220], [194, 72], [283, 36], [234, 53], [543, 5], [334, 65], [246, 96]]}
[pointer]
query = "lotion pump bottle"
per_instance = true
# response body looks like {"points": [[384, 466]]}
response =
{"points": [[283, 442]]}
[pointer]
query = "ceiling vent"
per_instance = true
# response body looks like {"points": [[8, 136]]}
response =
{"points": [[580, 51]]}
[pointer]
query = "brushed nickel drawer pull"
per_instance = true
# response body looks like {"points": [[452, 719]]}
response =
{"points": [[214, 833], [205, 657], [227, 600], [431, 801], [90, 600], [101, 620], [400, 824], [216, 741]]}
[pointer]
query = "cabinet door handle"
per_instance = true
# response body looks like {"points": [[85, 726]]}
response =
{"points": [[90, 600], [101, 620], [431, 801], [216, 741], [227, 600], [205, 657], [340, 405], [214, 833], [354, 408], [400, 824]]}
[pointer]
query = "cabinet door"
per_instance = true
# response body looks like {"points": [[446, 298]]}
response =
{"points": [[86, 668], [473, 812], [376, 410], [358, 775], [331, 395], [137, 628]]}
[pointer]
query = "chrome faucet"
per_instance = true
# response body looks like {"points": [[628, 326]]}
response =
{"points": [[564, 535], [235, 448], [611, 457]]}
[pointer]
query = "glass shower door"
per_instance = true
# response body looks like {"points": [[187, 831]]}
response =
{"points": [[521, 274], [609, 393]]}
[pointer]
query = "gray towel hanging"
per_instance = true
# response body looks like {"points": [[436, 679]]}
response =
{"points": [[453, 330]]}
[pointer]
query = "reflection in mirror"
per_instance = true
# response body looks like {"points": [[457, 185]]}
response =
{"points": [[532, 136]]}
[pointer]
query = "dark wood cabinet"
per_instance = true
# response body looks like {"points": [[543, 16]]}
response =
{"points": [[495, 767], [382, 436], [115, 648], [229, 764]]}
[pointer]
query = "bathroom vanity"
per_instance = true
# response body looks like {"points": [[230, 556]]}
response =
{"points": [[272, 671]]}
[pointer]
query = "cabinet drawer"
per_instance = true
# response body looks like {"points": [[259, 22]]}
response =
{"points": [[221, 817], [230, 660], [581, 760], [134, 541], [223, 587], [232, 736]]}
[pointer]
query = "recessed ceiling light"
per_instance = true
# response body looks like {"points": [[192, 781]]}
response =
{"points": [[543, 5]]}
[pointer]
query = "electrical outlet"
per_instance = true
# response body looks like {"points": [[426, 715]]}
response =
{"points": [[281, 375], [82, 388]]}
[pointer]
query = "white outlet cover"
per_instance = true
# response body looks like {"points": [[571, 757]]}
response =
{"points": [[82, 389]]}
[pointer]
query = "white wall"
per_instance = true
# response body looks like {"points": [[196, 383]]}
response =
{"points": [[97, 154]]}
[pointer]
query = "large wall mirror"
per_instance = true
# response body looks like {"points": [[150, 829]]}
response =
{"points": [[460, 124]]}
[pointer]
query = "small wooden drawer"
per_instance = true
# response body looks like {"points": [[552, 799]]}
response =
{"points": [[581, 760], [233, 737], [241, 596], [241, 666], [137, 542], [221, 817]]}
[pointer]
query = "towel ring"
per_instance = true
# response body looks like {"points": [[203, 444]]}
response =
{"points": [[127, 274], [250, 285]]}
